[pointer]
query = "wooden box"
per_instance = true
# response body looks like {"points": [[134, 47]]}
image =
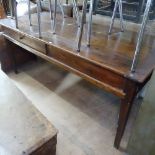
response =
{"points": [[23, 129]]}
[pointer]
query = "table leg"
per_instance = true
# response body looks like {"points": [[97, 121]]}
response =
{"points": [[76, 12], [125, 107], [11, 55]]}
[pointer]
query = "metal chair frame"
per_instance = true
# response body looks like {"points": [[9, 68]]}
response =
{"points": [[140, 36], [53, 14], [15, 13], [118, 3]]}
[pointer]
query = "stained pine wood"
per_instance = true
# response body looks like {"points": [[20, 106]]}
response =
{"points": [[23, 129], [106, 63]]}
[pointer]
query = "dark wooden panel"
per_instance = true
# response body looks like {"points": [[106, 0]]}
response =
{"points": [[87, 67], [25, 39], [12, 56]]}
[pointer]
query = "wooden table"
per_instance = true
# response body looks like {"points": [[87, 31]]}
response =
{"points": [[106, 63], [143, 131], [23, 129]]}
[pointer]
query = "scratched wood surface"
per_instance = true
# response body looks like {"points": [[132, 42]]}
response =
{"points": [[114, 52], [23, 129]]}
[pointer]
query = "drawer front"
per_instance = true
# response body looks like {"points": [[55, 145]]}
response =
{"points": [[25, 39], [92, 70]]}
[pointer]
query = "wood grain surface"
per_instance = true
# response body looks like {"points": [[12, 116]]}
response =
{"points": [[23, 129]]}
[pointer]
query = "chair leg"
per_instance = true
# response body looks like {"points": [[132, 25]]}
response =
{"points": [[118, 3], [140, 36], [121, 15], [15, 13], [61, 8], [76, 12], [90, 23], [82, 24], [29, 12], [54, 19], [50, 8], [39, 18]]}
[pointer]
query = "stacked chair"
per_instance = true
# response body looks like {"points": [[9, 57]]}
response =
{"points": [[140, 35], [81, 21], [52, 13], [118, 4]]}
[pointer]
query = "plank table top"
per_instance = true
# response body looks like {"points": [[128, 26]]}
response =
{"points": [[114, 52]]}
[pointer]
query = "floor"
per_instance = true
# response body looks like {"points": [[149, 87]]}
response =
{"points": [[85, 116]]}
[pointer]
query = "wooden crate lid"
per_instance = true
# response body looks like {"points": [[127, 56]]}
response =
{"points": [[23, 128]]}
